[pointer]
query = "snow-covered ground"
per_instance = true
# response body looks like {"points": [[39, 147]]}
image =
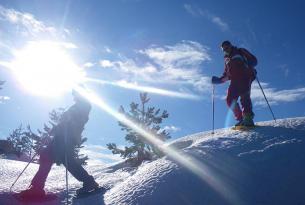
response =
{"points": [[264, 166]]}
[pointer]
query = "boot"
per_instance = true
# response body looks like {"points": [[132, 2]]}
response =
{"points": [[32, 192], [239, 123], [88, 186], [247, 120]]}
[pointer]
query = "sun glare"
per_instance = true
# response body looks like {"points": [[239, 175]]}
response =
{"points": [[186, 160], [44, 68], [159, 91]]}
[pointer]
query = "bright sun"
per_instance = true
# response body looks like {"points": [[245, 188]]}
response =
{"points": [[44, 68]]}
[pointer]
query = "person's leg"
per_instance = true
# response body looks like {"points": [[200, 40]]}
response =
{"points": [[38, 182], [78, 172], [246, 104], [45, 164], [232, 97]]}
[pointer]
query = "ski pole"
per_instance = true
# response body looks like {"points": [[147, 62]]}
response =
{"points": [[32, 159], [66, 165], [266, 99], [213, 108]]}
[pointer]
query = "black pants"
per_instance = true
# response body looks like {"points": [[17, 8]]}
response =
{"points": [[46, 161]]}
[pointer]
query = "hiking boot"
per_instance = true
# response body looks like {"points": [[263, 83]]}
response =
{"points": [[239, 123], [247, 120], [32, 192], [89, 186]]}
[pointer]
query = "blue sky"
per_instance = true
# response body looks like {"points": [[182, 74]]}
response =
{"points": [[171, 45]]}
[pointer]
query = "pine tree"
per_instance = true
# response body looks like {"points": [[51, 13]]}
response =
{"points": [[81, 158], [148, 118], [22, 144], [29, 143]]}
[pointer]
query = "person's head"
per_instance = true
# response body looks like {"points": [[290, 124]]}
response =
{"points": [[78, 96], [226, 47]]}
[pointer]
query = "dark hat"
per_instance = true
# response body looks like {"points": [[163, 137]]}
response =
{"points": [[226, 43], [76, 93]]}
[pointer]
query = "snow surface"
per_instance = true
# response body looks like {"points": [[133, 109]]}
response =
{"points": [[264, 166]]}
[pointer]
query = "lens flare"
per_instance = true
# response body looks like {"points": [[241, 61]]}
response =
{"points": [[189, 162], [159, 91], [230, 114]]}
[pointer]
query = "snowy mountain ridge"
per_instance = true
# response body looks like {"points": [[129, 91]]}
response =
{"points": [[263, 166]]}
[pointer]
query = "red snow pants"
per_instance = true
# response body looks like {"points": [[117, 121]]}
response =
{"points": [[240, 89]]}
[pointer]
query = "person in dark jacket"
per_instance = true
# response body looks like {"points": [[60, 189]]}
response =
{"points": [[66, 135], [239, 69]]}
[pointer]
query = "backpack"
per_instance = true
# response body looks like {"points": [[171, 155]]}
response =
{"points": [[249, 58]]}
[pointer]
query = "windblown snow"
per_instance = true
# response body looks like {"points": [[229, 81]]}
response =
{"points": [[263, 166]]}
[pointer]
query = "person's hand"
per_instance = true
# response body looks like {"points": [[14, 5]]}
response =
{"points": [[216, 80]]}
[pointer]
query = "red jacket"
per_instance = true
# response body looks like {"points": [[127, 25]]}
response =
{"points": [[239, 66]]}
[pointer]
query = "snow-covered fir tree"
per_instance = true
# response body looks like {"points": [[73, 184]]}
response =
{"points": [[148, 118], [27, 142]]}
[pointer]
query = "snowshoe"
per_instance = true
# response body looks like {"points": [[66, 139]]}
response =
{"points": [[247, 120], [88, 186], [246, 123], [243, 128], [32, 191], [38, 198], [34, 194], [81, 193]]}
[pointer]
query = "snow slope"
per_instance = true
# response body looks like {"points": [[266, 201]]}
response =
{"points": [[264, 166]]}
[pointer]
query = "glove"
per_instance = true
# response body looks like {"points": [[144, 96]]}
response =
{"points": [[216, 80]]}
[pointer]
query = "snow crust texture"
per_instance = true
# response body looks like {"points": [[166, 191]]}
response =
{"points": [[263, 166]]}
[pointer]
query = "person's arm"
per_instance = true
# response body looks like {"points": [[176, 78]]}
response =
{"points": [[224, 76], [222, 79]]}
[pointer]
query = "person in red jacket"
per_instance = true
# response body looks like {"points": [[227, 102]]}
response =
{"points": [[239, 69]]}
